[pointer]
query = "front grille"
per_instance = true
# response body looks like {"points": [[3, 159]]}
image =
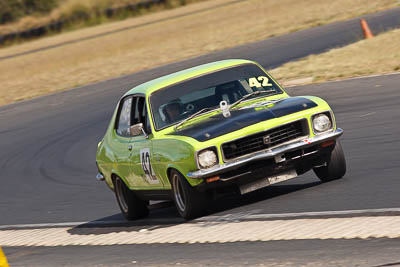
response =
{"points": [[264, 140]]}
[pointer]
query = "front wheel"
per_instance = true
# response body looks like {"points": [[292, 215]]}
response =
{"points": [[189, 202], [335, 166], [131, 206]]}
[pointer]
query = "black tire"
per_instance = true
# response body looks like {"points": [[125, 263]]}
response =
{"points": [[189, 202], [335, 166], [131, 206]]}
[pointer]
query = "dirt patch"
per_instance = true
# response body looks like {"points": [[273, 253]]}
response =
{"points": [[378, 55]]}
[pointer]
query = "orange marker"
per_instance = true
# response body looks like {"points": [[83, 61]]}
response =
{"points": [[367, 32]]}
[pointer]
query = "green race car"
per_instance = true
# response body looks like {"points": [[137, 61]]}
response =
{"points": [[215, 128]]}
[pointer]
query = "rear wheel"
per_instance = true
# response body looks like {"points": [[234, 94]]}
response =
{"points": [[131, 206], [189, 202], [335, 166]]}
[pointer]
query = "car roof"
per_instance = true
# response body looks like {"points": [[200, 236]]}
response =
{"points": [[153, 85]]}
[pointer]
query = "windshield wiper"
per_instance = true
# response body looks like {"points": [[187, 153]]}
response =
{"points": [[249, 95], [194, 115], [230, 106]]}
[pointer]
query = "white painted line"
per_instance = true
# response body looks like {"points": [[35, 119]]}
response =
{"points": [[248, 215], [54, 225], [252, 215], [350, 79], [370, 76], [93, 223], [317, 214], [368, 114]]}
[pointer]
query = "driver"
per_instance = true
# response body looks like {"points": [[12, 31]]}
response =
{"points": [[173, 110]]}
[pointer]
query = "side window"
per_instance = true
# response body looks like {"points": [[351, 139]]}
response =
{"points": [[139, 113], [124, 119], [142, 114], [137, 110]]}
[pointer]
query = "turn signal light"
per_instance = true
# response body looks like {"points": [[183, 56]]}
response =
{"points": [[212, 179], [328, 143]]}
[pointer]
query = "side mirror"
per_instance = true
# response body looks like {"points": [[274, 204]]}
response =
{"points": [[137, 129]]}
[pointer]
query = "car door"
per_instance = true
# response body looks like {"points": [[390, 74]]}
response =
{"points": [[142, 150], [122, 141]]}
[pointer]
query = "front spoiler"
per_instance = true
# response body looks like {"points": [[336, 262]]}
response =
{"points": [[266, 154]]}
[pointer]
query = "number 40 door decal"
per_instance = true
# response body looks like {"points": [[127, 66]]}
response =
{"points": [[146, 166]]}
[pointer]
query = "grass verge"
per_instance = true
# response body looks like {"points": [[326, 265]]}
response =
{"points": [[378, 55], [74, 14], [160, 38]]}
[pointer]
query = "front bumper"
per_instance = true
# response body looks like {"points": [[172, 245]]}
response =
{"points": [[266, 154]]}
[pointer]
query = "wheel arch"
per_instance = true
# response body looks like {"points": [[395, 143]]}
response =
{"points": [[192, 182], [114, 175], [169, 170]]}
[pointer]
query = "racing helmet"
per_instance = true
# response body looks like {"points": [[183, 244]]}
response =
{"points": [[171, 110]]}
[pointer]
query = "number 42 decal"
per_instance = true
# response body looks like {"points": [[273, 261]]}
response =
{"points": [[260, 81], [146, 166]]}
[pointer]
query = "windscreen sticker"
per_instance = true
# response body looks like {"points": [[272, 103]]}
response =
{"points": [[260, 81], [146, 166]]}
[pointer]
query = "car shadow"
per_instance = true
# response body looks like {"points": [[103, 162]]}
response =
{"points": [[164, 214], [236, 201]]}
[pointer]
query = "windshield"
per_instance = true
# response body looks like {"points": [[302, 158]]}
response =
{"points": [[175, 103]]}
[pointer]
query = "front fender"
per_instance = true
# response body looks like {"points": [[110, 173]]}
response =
{"points": [[173, 153]]}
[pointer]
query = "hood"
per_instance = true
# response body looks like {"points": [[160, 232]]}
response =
{"points": [[218, 125]]}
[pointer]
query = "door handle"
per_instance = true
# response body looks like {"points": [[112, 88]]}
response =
{"points": [[130, 147]]}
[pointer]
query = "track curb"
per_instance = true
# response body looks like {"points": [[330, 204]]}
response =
{"points": [[224, 229]]}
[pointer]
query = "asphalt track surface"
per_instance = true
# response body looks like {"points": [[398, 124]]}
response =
{"points": [[47, 145], [373, 253]]}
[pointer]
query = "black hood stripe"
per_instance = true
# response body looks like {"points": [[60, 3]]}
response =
{"points": [[218, 125]]}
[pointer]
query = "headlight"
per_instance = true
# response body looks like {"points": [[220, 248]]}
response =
{"points": [[207, 158], [322, 123]]}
